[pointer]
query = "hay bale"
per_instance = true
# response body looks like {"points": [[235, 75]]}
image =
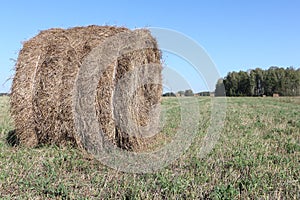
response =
{"points": [[46, 71]]}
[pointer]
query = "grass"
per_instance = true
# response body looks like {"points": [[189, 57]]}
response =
{"points": [[256, 157]]}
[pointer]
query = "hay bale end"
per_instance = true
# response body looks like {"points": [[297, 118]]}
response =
{"points": [[46, 72]]}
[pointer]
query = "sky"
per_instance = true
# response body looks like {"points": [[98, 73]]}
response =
{"points": [[236, 35]]}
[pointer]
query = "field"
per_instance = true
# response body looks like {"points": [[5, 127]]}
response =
{"points": [[257, 157]]}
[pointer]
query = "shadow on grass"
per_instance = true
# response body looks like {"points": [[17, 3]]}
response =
{"points": [[12, 139]]}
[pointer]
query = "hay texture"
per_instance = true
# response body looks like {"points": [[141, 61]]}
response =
{"points": [[43, 87]]}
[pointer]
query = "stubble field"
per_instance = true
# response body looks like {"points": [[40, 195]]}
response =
{"points": [[256, 157]]}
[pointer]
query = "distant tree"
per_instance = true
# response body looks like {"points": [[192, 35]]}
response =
{"points": [[203, 94], [244, 87], [180, 93], [169, 94], [188, 93], [290, 83], [220, 89], [231, 84], [259, 82]]}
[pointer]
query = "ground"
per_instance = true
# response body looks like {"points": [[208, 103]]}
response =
{"points": [[256, 156]]}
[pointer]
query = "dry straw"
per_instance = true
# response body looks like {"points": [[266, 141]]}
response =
{"points": [[46, 71]]}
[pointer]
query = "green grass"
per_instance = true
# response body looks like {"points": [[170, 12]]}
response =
{"points": [[256, 157]]}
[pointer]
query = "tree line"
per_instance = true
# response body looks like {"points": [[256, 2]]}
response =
{"points": [[258, 82], [4, 94], [186, 93]]}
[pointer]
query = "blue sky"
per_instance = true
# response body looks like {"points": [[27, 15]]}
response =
{"points": [[237, 35]]}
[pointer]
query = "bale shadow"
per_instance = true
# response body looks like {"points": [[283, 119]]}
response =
{"points": [[12, 139]]}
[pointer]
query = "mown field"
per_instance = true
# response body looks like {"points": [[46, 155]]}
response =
{"points": [[256, 157]]}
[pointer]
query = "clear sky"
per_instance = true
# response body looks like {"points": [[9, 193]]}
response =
{"points": [[237, 35]]}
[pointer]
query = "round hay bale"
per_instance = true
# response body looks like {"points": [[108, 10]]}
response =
{"points": [[46, 72]]}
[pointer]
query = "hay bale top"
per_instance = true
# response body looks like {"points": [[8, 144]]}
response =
{"points": [[83, 39]]}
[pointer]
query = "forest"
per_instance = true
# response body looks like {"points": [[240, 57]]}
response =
{"points": [[259, 82]]}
